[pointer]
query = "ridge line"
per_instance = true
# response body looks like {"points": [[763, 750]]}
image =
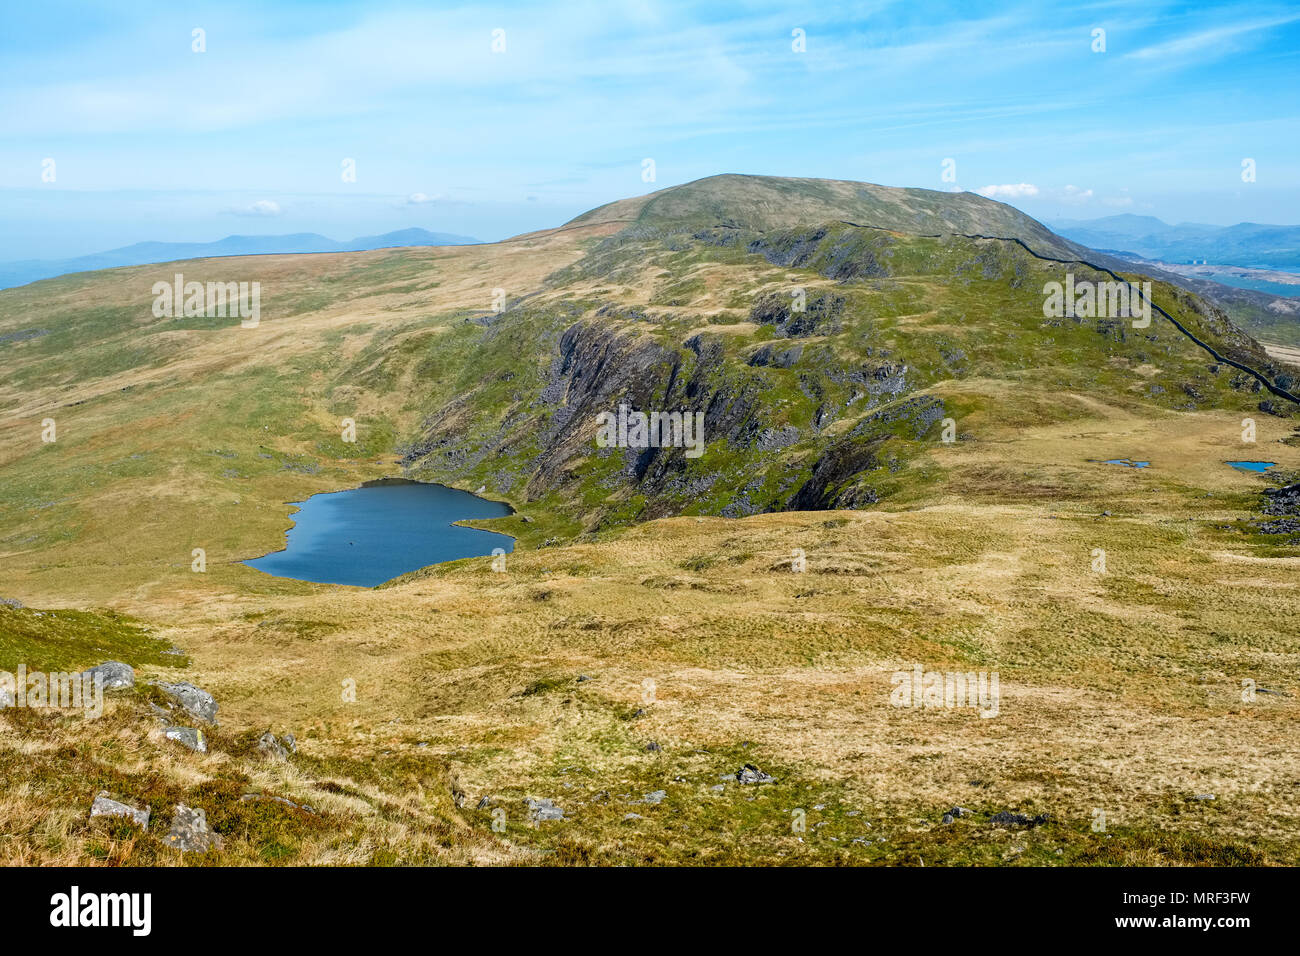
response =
{"points": [[1258, 376]]}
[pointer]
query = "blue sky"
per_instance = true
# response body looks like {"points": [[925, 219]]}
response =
{"points": [[152, 140]]}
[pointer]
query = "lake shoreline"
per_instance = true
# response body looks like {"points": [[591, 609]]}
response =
{"points": [[388, 534]]}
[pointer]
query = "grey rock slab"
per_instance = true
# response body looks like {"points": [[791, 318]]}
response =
{"points": [[190, 832], [103, 806], [190, 737], [543, 809], [195, 701], [115, 674]]}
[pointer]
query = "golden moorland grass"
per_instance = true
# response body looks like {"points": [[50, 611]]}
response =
{"points": [[1120, 692]]}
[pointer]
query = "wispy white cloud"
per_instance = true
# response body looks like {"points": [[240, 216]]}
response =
{"points": [[1214, 40], [883, 92], [262, 207], [1009, 191]]}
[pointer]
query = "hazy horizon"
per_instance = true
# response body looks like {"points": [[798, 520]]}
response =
{"points": [[477, 221]]}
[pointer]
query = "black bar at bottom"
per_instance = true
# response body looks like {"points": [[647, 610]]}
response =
{"points": [[332, 906]]}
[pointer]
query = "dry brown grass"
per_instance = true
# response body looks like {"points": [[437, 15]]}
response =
{"points": [[1119, 691]]}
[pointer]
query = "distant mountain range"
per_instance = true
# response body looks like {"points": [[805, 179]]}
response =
{"points": [[1245, 244], [30, 270]]}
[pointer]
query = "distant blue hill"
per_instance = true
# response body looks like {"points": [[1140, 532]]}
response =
{"points": [[1245, 244], [30, 270]]}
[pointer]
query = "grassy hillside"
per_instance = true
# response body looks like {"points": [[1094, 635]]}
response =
{"points": [[764, 203], [650, 600]]}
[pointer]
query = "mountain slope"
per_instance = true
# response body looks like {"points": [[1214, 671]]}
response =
{"points": [[687, 306], [822, 409], [763, 203], [32, 270], [653, 598]]}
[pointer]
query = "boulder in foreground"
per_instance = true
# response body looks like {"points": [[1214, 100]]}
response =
{"points": [[105, 807], [189, 832], [115, 674], [194, 701]]}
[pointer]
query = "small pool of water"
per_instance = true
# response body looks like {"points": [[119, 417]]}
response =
{"points": [[1258, 285], [1252, 465], [1126, 462], [368, 535]]}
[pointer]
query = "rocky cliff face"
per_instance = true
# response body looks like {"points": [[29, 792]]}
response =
{"points": [[755, 458]]}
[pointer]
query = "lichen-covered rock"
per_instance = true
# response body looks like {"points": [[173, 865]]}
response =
{"points": [[268, 745], [114, 674], [190, 737], [190, 832], [194, 701]]}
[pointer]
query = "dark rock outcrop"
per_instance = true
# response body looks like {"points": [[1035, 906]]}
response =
{"points": [[1005, 818], [821, 313], [1282, 501], [750, 774]]}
